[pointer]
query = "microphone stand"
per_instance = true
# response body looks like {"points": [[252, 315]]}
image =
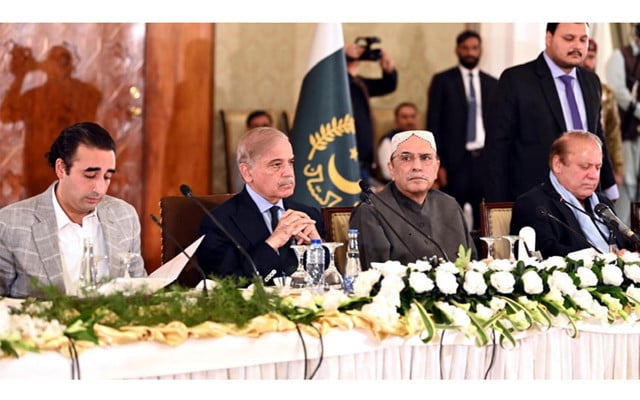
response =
{"points": [[186, 191], [544, 212], [183, 251], [366, 189], [367, 199]]}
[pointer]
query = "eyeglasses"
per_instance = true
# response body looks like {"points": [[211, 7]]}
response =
{"points": [[409, 158]]}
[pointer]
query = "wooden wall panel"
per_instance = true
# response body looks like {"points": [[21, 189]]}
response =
{"points": [[178, 119]]}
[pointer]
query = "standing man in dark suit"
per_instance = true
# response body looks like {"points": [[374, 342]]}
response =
{"points": [[532, 107], [456, 115], [261, 218]]}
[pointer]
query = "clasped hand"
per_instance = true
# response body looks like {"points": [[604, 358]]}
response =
{"points": [[294, 224]]}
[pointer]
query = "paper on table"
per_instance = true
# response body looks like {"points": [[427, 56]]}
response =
{"points": [[158, 279], [172, 268]]}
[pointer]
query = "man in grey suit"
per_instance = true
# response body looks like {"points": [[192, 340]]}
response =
{"points": [[532, 107], [41, 238]]}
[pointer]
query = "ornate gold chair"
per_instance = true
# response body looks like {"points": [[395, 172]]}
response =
{"points": [[336, 224], [495, 220]]}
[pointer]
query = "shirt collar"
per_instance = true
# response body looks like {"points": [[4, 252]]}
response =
{"points": [[62, 219], [556, 71], [262, 203], [465, 71]]}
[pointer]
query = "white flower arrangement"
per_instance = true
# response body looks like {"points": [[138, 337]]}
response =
{"points": [[477, 296]]}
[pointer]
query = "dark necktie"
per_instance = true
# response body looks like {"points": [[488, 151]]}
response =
{"points": [[274, 217], [573, 106], [471, 116]]}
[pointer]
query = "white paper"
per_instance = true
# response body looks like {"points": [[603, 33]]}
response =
{"points": [[172, 268]]}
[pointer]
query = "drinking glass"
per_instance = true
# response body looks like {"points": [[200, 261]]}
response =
{"points": [[490, 240], [129, 263], [300, 277], [512, 241], [332, 277]]}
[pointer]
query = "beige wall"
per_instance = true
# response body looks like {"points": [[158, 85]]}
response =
{"points": [[261, 65]]}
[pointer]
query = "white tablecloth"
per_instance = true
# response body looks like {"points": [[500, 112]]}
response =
{"points": [[597, 353]]}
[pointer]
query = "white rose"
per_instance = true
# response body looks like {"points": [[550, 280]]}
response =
{"points": [[634, 293], [631, 257], [333, 299], [632, 271], [390, 289], [503, 281], [458, 317], [420, 265], [554, 261], [501, 265], [532, 282], [484, 312], [587, 277], [497, 304], [608, 258], [474, 283], [446, 282], [391, 268], [583, 299], [420, 282], [479, 266], [448, 267], [612, 275], [382, 310], [562, 282], [365, 281]]}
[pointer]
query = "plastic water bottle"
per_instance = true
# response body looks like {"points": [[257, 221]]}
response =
{"points": [[352, 268], [315, 263]]}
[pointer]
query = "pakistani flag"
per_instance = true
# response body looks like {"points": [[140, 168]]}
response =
{"points": [[323, 134]]}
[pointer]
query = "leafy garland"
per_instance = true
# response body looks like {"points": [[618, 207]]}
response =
{"points": [[472, 297]]}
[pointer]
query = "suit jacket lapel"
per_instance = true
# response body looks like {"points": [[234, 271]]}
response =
{"points": [[45, 236], [591, 100], [550, 93], [113, 238], [248, 219]]}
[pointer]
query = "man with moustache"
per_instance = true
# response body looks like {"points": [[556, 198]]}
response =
{"points": [[386, 236], [406, 119], [456, 115], [261, 218], [533, 106]]}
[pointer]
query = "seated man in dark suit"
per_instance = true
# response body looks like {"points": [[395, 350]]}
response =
{"points": [[569, 195], [265, 160]]}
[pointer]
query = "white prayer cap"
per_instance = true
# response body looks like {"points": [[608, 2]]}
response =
{"points": [[402, 136]]}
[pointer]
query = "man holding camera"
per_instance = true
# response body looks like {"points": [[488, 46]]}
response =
{"points": [[362, 89]]}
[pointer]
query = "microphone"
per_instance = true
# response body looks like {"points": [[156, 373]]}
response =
{"points": [[182, 250], [364, 186], [613, 222], [186, 191], [544, 212]]}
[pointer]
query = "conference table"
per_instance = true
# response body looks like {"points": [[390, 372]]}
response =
{"points": [[598, 352]]}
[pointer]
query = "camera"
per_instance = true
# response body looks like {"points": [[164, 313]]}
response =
{"points": [[369, 54]]}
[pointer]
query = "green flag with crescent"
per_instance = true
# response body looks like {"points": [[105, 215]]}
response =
{"points": [[323, 134]]}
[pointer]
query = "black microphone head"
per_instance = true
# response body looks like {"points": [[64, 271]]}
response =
{"points": [[601, 208], [156, 220], [186, 190], [364, 186]]}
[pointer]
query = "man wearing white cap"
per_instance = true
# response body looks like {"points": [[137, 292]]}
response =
{"points": [[408, 220]]}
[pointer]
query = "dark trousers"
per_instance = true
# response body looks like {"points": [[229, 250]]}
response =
{"points": [[465, 183]]}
